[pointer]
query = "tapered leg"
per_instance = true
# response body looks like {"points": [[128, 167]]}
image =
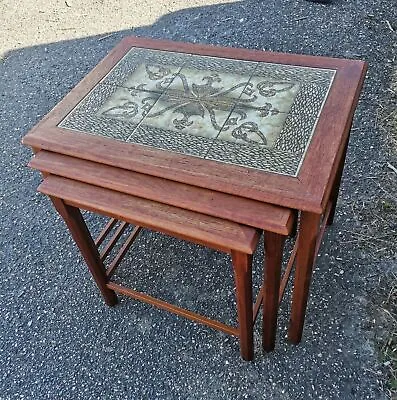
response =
{"points": [[274, 244], [83, 239], [335, 187], [295, 225], [309, 226], [242, 264]]}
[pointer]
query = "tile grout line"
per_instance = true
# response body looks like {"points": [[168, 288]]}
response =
{"points": [[161, 95], [231, 111]]}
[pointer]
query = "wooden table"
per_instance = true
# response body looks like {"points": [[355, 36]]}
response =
{"points": [[268, 127]]}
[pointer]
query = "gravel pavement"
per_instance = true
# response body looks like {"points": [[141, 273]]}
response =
{"points": [[58, 340]]}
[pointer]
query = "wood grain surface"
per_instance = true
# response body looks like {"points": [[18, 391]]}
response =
{"points": [[188, 225], [233, 208]]}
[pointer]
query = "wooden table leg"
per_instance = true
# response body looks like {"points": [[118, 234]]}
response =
{"points": [[336, 185], [274, 244], [81, 235], [309, 227], [242, 265], [294, 229]]}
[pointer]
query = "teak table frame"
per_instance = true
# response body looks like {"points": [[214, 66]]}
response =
{"points": [[68, 196], [313, 191]]}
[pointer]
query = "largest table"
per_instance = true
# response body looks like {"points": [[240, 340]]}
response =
{"points": [[267, 126]]}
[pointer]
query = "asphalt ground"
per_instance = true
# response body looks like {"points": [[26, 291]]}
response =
{"points": [[58, 340]]}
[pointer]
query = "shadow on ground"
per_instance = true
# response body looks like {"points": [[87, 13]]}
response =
{"points": [[58, 339]]}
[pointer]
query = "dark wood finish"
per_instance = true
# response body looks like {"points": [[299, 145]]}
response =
{"points": [[315, 187], [274, 244], [227, 178], [320, 164], [242, 266], [288, 270], [123, 251], [301, 286], [187, 225], [105, 231], [174, 309], [216, 204], [336, 185], [113, 240], [283, 283], [308, 192], [89, 251], [294, 229], [76, 193], [309, 226], [323, 227], [257, 304]]}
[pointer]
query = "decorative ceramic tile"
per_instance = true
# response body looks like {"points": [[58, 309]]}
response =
{"points": [[110, 111], [128, 105], [158, 65], [253, 126], [220, 65], [209, 86], [260, 92], [302, 119], [188, 117], [258, 115], [151, 77], [292, 73], [258, 157], [171, 140], [84, 117]]}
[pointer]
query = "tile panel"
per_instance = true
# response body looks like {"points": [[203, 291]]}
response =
{"points": [[253, 114]]}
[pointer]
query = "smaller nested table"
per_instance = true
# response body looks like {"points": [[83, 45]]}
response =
{"points": [[225, 133]]}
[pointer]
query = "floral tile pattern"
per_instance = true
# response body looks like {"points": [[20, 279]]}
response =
{"points": [[149, 77], [183, 114], [128, 105], [253, 126], [254, 114]]}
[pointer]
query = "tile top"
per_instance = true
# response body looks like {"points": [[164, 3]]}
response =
{"points": [[258, 115]]}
